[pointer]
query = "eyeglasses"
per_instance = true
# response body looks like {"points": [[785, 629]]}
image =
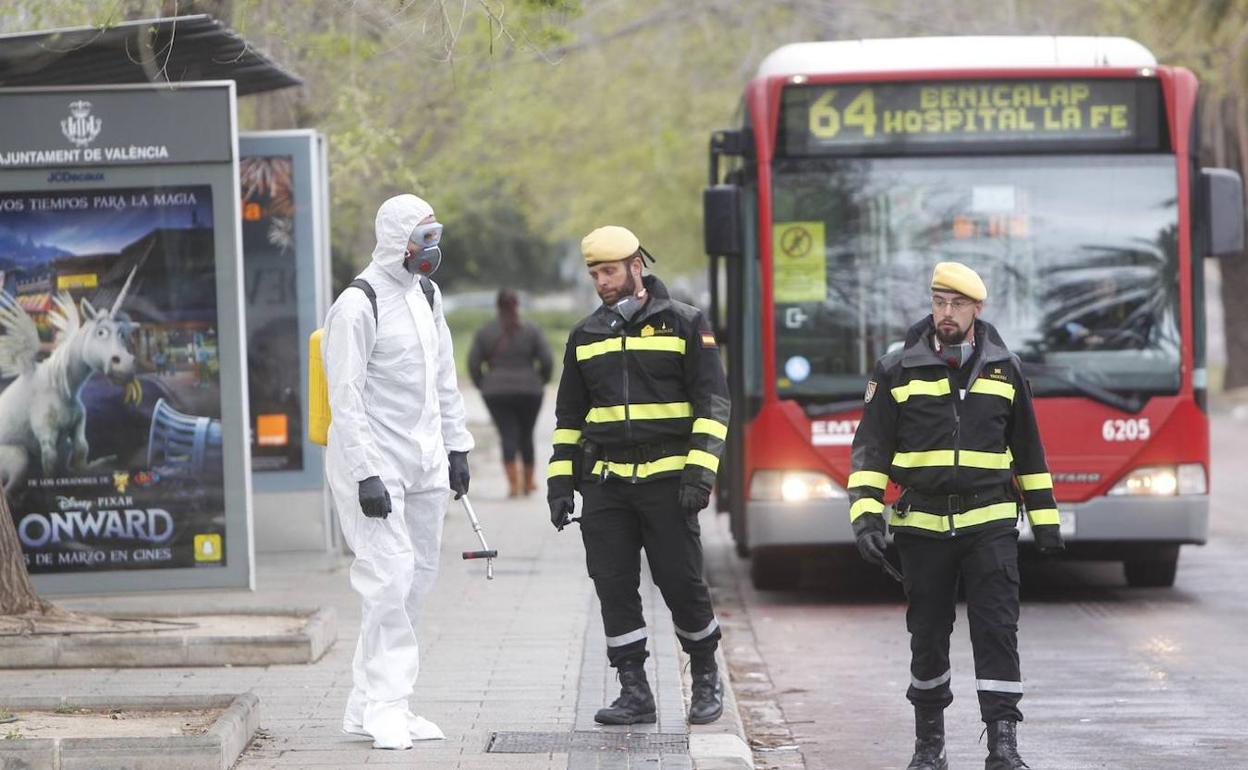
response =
{"points": [[959, 304]]}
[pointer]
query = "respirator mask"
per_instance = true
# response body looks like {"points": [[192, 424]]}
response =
{"points": [[424, 255]]}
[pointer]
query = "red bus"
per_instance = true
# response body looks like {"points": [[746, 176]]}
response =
{"points": [[1065, 171]]}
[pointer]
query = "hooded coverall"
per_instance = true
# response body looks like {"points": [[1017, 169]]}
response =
{"points": [[397, 411]]}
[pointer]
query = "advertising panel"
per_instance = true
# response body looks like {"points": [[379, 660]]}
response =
{"points": [[110, 401], [270, 242], [123, 442], [284, 255]]}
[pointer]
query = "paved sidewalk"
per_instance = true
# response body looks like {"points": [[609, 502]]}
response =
{"points": [[520, 654]]}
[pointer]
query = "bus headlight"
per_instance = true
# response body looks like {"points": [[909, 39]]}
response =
{"points": [[794, 486], [1163, 481]]}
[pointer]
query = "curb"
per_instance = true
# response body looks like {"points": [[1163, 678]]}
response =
{"points": [[217, 749], [122, 650], [721, 745]]}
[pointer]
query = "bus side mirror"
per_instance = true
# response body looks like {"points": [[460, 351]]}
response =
{"points": [[721, 220], [1223, 223]]}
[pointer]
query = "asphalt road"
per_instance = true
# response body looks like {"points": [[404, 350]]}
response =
{"points": [[1116, 677]]}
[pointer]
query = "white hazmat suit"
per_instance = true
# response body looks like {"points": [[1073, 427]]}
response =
{"points": [[397, 411]]}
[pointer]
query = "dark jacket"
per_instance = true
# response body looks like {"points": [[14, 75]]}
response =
{"points": [[640, 401], [502, 365], [961, 461]]}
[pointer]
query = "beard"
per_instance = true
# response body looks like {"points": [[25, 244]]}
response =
{"points": [[951, 335], [613, 296]]}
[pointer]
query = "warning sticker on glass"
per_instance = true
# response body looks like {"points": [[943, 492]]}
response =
{"points": [[797, 251]]}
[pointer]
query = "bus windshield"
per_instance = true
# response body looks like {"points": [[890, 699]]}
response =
{"points": [[1079, 254]]}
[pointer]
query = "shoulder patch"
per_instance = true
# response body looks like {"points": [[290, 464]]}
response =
{"points": [[708, 339], [866, 397], [997, 372]]}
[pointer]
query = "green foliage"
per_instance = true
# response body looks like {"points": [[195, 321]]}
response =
{"points": [[529, 122]]}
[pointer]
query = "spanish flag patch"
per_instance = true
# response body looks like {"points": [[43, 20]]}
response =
{"points": [[708, 339]]}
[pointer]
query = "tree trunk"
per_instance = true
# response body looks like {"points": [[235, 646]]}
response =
{"points": [[17, 594]]}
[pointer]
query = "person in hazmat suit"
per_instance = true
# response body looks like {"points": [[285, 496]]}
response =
{"points": [[397, 445]]}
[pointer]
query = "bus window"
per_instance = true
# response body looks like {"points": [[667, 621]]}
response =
{"points": [[1079, 253]]}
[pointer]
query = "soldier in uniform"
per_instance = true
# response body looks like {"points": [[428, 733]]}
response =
{"points": [[949, 418], [642, 414]]}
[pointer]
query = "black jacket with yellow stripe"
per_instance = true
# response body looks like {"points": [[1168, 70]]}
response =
{"points": [[920, 431], [642, 400]]}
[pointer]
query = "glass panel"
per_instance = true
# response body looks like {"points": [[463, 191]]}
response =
{"points": [[1079, 254]]}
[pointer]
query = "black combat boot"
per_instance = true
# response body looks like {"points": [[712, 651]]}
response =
{"points": [[636, 702], [1003, 747], [929, 740], [707, 700]]}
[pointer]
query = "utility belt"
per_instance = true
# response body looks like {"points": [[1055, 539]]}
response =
{"points": [[951, 505], [635, 454]]}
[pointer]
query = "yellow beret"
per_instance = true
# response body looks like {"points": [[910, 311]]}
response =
{"points": [[955, 276], [609, 244]]}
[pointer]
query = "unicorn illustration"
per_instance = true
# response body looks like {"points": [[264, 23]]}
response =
{"points": [[41, 411]]}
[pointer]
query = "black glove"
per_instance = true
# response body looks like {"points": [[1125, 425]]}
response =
{"points": [[459, 473], [561, 509], [869, 531], [1049, 539], [693, 498], [374, 499]]}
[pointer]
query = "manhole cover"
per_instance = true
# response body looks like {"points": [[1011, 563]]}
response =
{"points": [[545, 743]]}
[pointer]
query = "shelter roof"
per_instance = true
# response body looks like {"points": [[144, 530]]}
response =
{"points": [[173, 49]]}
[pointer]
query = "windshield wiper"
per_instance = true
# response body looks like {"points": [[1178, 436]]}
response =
{"points": [[1065, 375]]}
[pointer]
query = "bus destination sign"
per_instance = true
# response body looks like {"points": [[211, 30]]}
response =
{"points": [[973, 116]]}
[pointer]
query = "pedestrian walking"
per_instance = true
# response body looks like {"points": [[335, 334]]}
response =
{"points": [[397, 445], [949, 418], [641, 416], [510, 363]]}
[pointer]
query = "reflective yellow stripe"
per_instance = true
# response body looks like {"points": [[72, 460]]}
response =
{"points": [[1042, 516], [931, 458], [644, 470], [990, 460], [597, 348], [641, 412], [920, 388], [602, 347], [710, 427], [559, 468], [994, 388], [868, 479], [1033, 481], [865, 505], [669, 344], [660, 411], [936, 523], [967, 458], [566, 436], [705, 459]]}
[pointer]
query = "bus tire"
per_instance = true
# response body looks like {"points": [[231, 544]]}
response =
{"points": [[1151, 573], [771, 569]]}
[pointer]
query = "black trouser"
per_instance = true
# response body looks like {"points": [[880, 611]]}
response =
{"points": [[514, 415], [618, 520], [987, 563]]}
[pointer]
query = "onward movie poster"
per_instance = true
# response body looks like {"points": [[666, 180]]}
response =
{"points": [[110, 405], [273, 343]]}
